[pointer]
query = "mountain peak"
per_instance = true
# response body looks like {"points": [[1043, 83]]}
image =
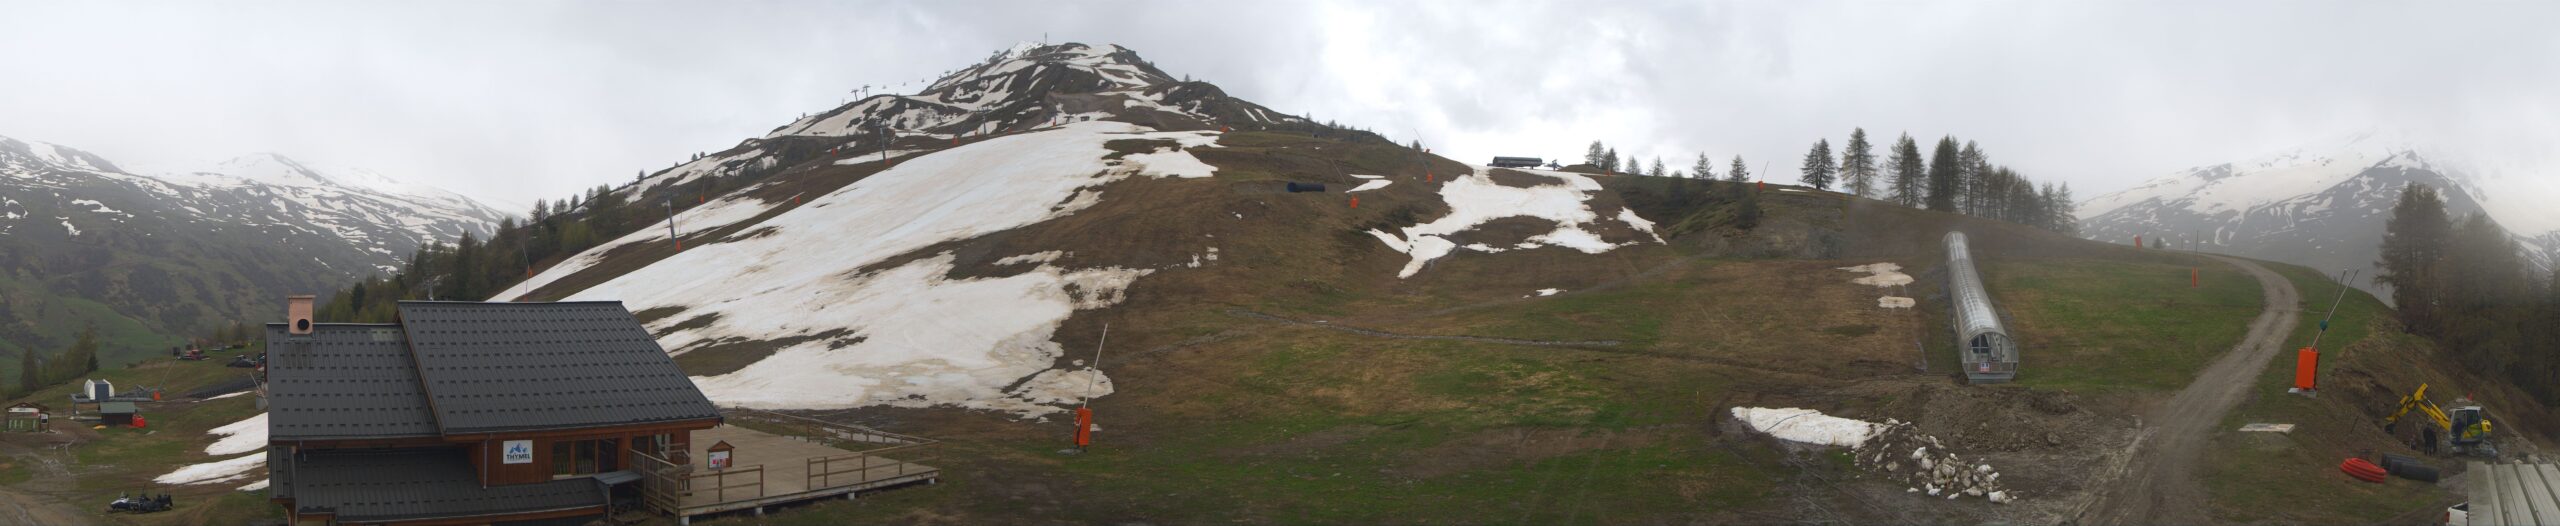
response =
{"points": [[1031, 85], [30, 154]]}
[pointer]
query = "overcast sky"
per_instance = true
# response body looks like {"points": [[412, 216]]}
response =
{"points": [[513, 101]]}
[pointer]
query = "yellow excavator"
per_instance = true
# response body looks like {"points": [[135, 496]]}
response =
{"points": [[2467, 426]]}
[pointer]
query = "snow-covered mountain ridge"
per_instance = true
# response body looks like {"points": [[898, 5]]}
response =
{"points": [[2321, 205], [186, 249], [1017, 89]]}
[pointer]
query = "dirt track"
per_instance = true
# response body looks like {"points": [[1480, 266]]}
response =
{"points": [[2161, 487]]}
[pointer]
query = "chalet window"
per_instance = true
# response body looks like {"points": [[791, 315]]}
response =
{"points": [[571, 458], [653, 445]]}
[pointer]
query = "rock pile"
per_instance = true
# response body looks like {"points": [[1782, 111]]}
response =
{"points": [[1902, 454]]}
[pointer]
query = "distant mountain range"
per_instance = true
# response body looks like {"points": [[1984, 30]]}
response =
{"points": [[84, 242], [2322, 205]]}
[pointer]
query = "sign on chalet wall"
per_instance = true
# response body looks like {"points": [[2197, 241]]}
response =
{"points": [[519, 452]]}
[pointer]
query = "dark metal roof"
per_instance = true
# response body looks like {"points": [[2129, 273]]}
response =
{"points": [[279, 472], [344, 381], [495, 367], [368, 485]]}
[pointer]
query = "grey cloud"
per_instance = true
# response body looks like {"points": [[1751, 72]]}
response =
{"points": [[519, 101]]}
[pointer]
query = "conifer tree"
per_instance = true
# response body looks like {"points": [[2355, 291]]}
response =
{"points": [[2413, 246], [1944, 167], [1657, 168], [1609, 161], [1739, 173], [1594, 155], [1858, 165], [1818, 166], [2063, 212], [29, 371], [1908, 172], [1705, 169], [1973, 186]]}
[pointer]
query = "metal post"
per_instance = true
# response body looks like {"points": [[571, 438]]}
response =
{"points": [[671, 223], [2345, 276], [1096, 378]]}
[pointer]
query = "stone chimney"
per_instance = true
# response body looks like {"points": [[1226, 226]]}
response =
{"points": [[297, 312]]}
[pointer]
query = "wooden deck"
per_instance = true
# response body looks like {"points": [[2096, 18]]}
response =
{"points": [[767, 469]]}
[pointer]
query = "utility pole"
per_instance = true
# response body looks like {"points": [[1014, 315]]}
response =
{"points": [[2345, 276], [1084, 408], [671, 223]]}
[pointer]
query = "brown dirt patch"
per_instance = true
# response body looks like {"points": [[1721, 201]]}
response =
{"points": [[1520, 179], [1505, 232]]}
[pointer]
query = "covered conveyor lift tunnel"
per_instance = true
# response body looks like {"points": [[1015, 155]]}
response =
{"points": [[1986, 352]]}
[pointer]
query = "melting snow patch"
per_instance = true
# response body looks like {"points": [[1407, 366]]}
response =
{"points": [[1880, 274], [239, 437], [904, 336], [255, 486], [226, 395], [1549, 292], [1170, 163], [1806, 426], [1895, 302], [218, 471], [718, 213], [66, 225], [1475, 199], [1929, 467], [1035, 257], [1060, 386], [1372, 184]]}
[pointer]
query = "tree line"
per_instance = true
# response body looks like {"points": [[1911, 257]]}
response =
{"points": [[2466, 285], [36, 372], [1955, 177], [473, 269]]}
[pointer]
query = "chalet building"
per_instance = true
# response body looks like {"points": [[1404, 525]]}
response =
{"points": [[471, 413]]}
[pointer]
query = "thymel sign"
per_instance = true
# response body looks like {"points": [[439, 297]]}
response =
{"points": [[518, 452]]}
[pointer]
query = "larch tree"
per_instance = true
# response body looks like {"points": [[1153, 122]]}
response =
{"points": [[1909, 172], [1657, 168], [1705, 169], [30, 371], [1858, 165], [2413, 244], [1595, 154], [1818, 167], [1945, 173], [1973, 186]]}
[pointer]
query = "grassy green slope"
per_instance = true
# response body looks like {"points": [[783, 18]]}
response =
{"points": [[2093, 325], [55, 321], [86, 467], [2366, 365]]}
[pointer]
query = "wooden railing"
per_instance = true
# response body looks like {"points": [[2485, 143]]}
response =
{"points": [[720, 482], [662, 483], [859, 468]]}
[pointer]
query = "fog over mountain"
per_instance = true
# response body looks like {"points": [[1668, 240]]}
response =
{"points": [[514, 102]]}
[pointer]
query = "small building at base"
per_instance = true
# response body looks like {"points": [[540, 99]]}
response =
{"points": [[29, 417], [470, 413], [117, 414]]}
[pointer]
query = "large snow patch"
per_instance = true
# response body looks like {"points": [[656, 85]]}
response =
{"points": [[1475, 199], [239, 437], [902, 335]]}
